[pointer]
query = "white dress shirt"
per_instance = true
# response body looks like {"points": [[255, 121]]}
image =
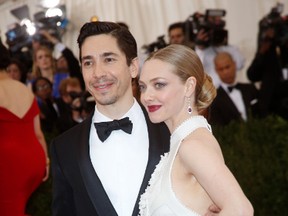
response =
{"points": [[120, 161], [236, 97]]}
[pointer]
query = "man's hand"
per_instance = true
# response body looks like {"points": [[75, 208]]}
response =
{"points": [[49, 37], [202, 37]]}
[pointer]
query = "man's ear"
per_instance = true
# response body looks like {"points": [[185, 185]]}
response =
{"points": [[134, 67], [190, 86]]}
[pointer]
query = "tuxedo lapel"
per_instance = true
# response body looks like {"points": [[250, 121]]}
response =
{"points": [[224, 99], [159, 138], [159, 142], [93, 185]]}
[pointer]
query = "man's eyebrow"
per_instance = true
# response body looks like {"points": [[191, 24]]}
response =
{"points": [[86, 57], [105, 54]]}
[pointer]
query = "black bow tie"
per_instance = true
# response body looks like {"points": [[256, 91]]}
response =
{"points": [[104, 129], [230, 88]]}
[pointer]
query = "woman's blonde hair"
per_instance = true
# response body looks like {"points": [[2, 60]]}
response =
{"points": [[36, 72], [187, 64]]}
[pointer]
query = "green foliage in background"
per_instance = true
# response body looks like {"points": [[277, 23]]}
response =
{"points": [[257, 154]]}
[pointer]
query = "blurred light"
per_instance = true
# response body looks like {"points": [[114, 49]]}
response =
{"points": [[30, 26], [49, 3], [94, 19], [52, 12]]}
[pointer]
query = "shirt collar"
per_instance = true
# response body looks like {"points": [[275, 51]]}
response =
{"points": [[132, 113]]}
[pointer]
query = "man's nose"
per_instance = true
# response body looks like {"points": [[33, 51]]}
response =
{"points": [[98, 70]]}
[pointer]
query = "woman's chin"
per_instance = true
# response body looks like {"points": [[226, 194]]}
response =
{"points": [[154, 120]]}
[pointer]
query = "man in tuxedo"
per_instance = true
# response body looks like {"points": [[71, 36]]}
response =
{"points": [[100, 174], [234, 101], [101, 166]]}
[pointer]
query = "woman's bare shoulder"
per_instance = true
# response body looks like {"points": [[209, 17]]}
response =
{"points": [[15, 96], [200, 142]]}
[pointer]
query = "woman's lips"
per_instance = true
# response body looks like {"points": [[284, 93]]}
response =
{"points": [[153, 108]]}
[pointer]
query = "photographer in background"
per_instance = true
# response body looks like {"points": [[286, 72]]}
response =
{"points": [[270, 64], [73, 104], [177, 34], [208, 33]]}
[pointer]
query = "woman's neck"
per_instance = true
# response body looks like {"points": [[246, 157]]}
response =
{"points": [[48, 73]]}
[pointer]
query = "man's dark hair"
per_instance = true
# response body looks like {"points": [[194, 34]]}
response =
{"points": [[176, 25], [125, 40]]}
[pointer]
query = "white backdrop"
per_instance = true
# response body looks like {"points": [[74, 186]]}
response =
{"points": [[149, 19]]}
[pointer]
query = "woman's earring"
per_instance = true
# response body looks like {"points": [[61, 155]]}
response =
{"points": [[189, 109]]}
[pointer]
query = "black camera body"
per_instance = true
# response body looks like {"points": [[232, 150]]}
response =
{"points": [[158, 44], [275, 21], [211, 23], [82, 101], [17, 38]]}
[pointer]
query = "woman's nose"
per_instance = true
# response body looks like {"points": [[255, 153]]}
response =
{"points": [[147, 95]]}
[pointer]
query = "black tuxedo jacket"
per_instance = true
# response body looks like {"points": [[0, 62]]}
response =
{"points": [[77, 190], [223, 110]]}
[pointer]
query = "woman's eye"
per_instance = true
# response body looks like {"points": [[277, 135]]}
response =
{"points": [[159, 85], [141, 88]]}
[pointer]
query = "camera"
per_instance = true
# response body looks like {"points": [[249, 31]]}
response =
{"points": [[82, 102], [211, 23], [275, 21], [17, 37], [158, 44]]}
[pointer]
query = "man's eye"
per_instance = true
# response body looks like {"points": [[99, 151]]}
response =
{"points": [[108, 60], [87, 63]]}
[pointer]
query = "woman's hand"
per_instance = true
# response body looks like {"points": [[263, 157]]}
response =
{"points": [[47, 170]]}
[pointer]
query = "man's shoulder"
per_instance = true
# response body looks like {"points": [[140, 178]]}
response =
{"points": [[249, 86], [74, 132]]}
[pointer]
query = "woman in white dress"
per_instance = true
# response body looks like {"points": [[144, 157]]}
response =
{"points": [[193, 175]]}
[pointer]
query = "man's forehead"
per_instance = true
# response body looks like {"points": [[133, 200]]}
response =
{"points": [[101, 45]]}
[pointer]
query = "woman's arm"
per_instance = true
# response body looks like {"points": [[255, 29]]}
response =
{"points": [[41, 139], [202, 157]]}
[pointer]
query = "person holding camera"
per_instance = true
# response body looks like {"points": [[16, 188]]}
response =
{"points": [[71, 104], [270, 65], [211, 38], [176, 33]]}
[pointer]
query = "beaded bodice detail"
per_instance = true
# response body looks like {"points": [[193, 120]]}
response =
{"points": [[159, 198]]}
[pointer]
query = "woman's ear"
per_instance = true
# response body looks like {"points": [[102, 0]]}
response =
{"points": [[190, 86]]}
